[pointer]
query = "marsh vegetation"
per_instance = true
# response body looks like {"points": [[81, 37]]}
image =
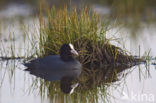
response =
{"points": [[86, 31], [107, 67]]}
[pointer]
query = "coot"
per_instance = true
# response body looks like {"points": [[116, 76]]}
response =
{"points": [[54, 67]]}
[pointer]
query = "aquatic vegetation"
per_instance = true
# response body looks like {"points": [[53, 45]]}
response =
{"points": [[86, 31], [102, 61]]}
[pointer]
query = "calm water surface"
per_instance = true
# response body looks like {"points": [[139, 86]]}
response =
{"points": [[136, 85]]}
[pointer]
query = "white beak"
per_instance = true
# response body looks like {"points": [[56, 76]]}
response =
{"points": [[74, 52], [73, 87]]}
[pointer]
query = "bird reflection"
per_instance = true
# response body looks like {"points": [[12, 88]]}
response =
{"points": [[66, 84], [66, 77]]}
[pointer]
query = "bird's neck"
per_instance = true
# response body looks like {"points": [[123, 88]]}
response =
{"points": [[67, 57]]}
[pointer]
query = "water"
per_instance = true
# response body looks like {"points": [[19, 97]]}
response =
{"points": [[135, 85], [135, 89]]}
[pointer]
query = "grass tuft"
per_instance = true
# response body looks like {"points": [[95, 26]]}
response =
{"points": [[85, 30]]}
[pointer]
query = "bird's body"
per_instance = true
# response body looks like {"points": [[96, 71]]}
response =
{"points": [[53, 62], [54, 67]]}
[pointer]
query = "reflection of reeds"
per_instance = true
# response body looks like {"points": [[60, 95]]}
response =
{"points": [[93, 85]]}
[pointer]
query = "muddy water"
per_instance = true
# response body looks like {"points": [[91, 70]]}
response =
{"points": [[136, 85]]}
